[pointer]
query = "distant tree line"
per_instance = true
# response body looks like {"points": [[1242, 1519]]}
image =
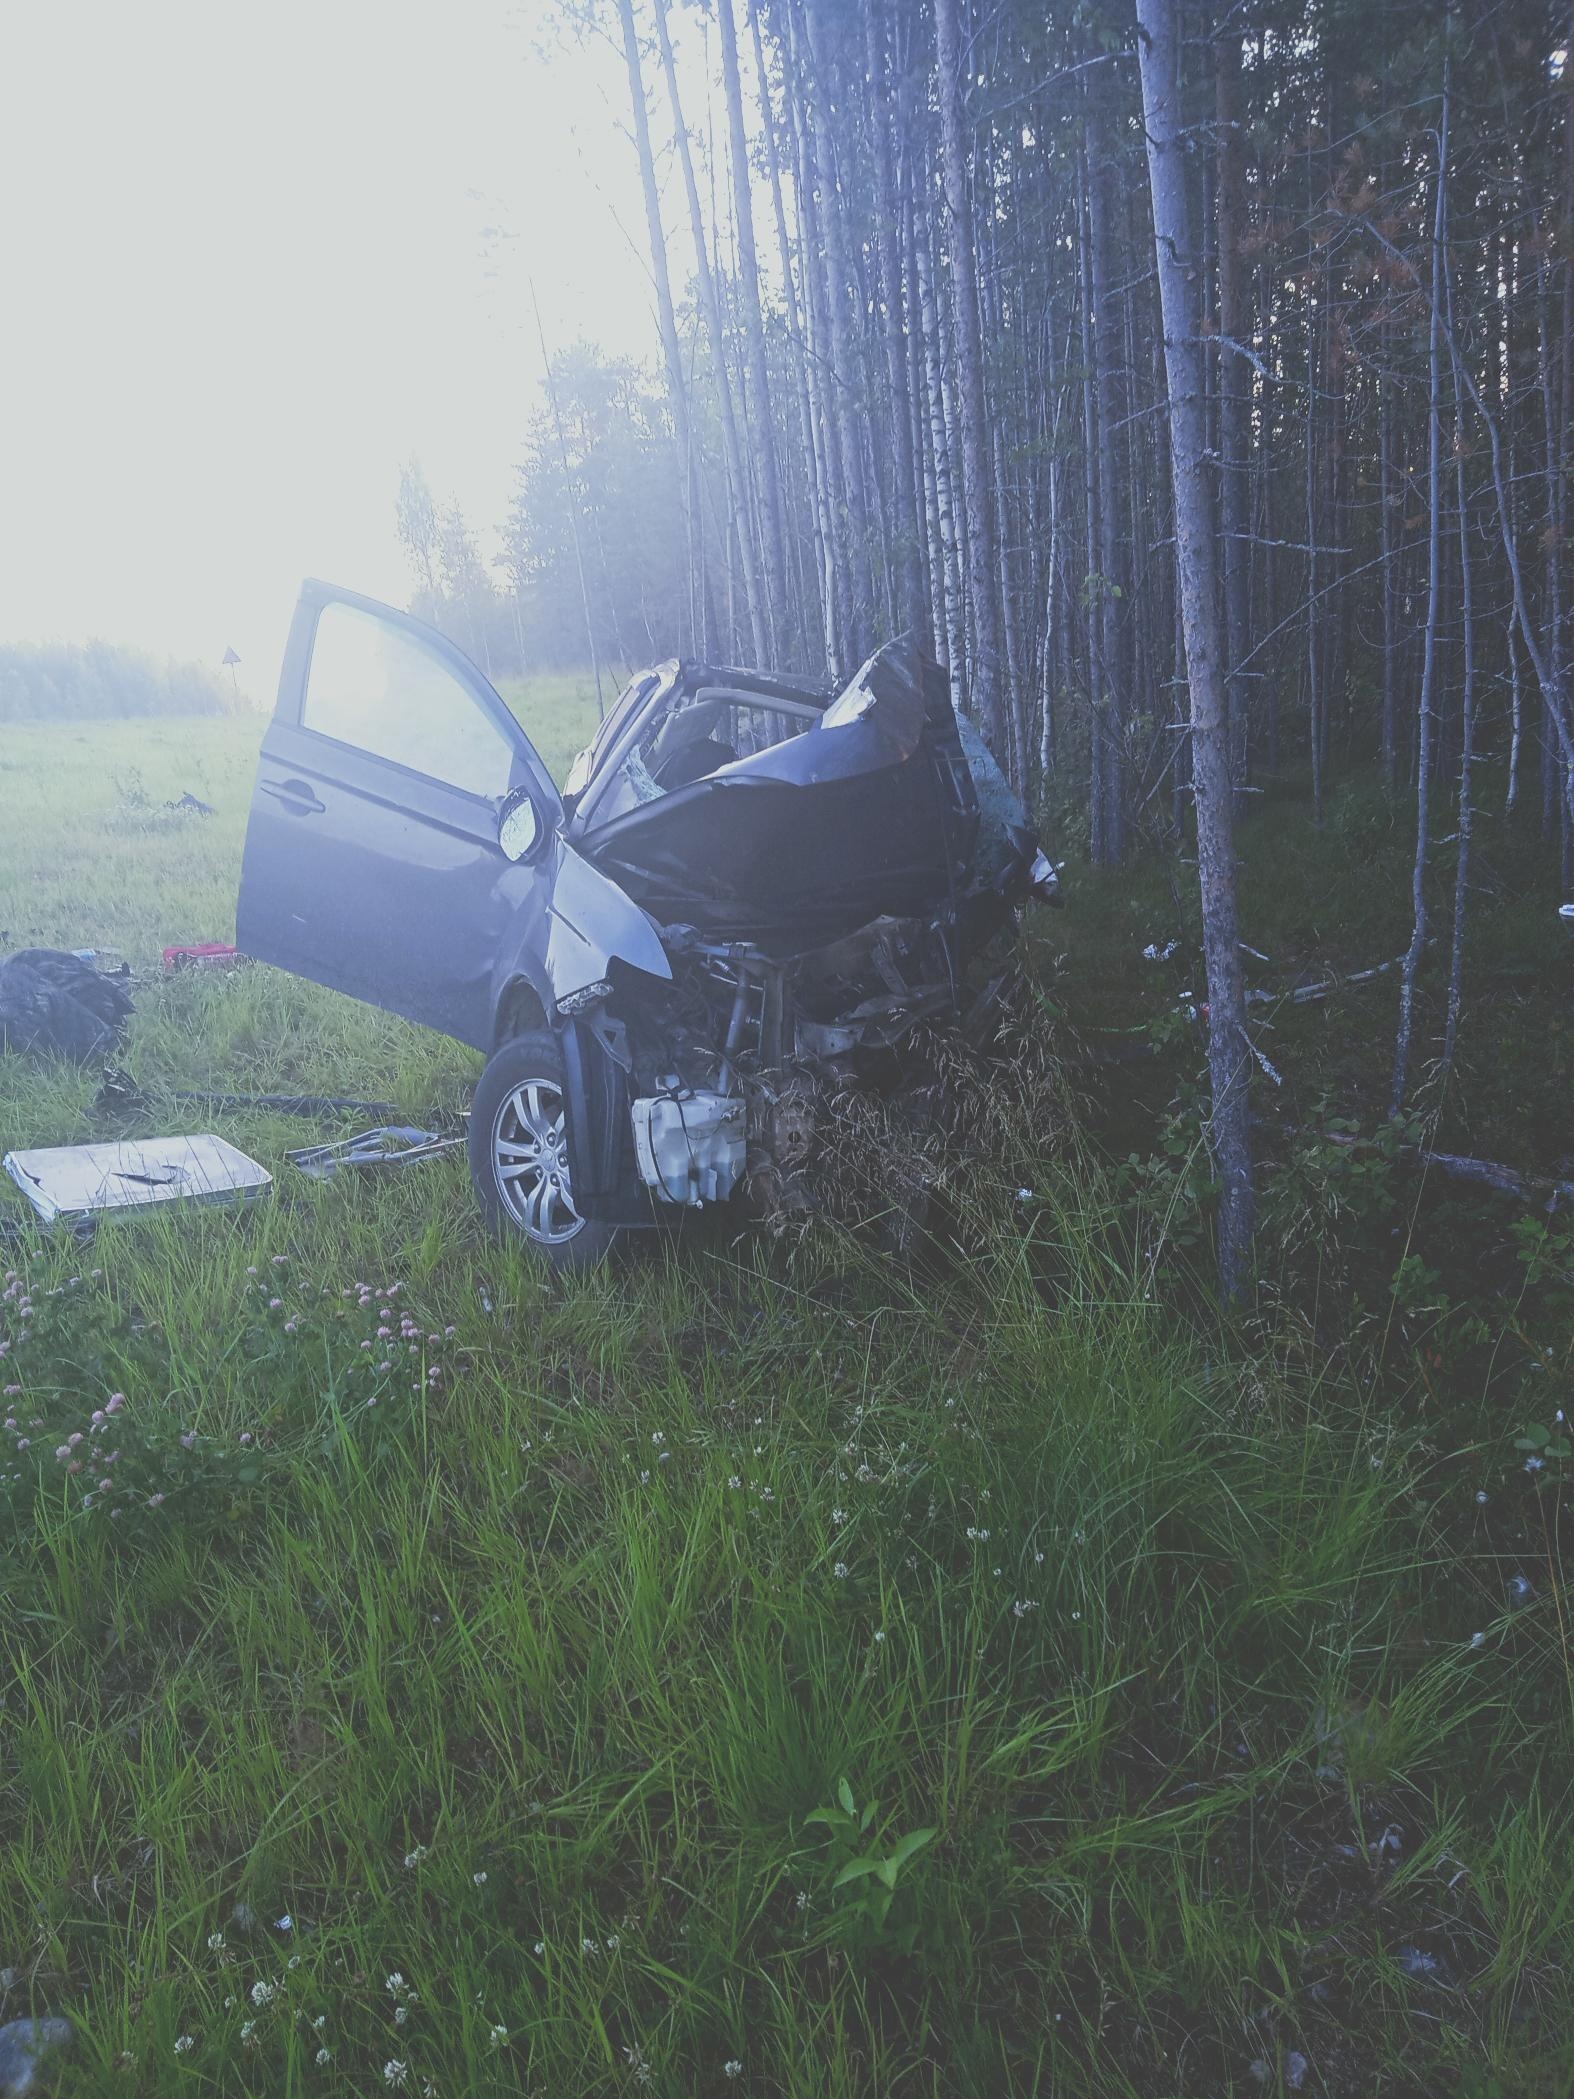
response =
{"points": [[101, 681], [1196, 381]]}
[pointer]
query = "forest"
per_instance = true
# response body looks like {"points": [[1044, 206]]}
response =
{"points": [[1196, 384], [102, 681]]}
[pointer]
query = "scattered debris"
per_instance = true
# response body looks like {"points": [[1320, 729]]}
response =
{"points": [[1416, 1961], [56, 1003], [74, 1181], [390, 1145], [1154, 953], [120, 1094], [24, 2046], [202, 954]]}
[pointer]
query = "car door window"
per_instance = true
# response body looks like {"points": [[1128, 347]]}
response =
{"points": [[377, 687]]}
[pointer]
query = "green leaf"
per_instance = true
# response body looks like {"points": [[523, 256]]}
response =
{"points": [[915, 1840], [857, 1869], [830, 1817]]}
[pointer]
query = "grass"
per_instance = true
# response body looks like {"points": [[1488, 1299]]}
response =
{"points": [[520, 1668]]}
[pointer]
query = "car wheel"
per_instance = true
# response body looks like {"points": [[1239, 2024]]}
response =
{"points": [[519, 1155]]}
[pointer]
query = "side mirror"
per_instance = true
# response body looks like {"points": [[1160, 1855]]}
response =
{"points": [[518, 825]]}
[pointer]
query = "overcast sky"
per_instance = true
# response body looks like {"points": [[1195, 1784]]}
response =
{"points": [[253, 257]]}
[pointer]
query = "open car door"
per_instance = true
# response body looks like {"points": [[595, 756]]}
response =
{"points": [[401, 823]]}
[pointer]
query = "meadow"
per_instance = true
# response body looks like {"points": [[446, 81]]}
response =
{"points": [[758, 1667]]}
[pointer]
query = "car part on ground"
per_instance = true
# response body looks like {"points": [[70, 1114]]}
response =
{"points": [[202, 954], [390, 1145], [753, 901], [73, 1181]]}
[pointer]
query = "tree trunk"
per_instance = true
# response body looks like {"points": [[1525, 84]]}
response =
{"points": [[757, 390], [666, 315], [755, 609], [911, 614], [1228, 1045], [1234, 383], [1425, 729], [985, 681]]}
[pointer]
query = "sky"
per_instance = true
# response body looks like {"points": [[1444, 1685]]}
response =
{"points": [[252, 259]]}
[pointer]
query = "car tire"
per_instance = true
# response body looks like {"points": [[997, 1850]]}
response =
{"points": [[519, 1155]]}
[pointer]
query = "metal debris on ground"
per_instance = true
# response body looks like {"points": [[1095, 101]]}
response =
{"points": [[392, 1145], [202, 954], [74, 1181]]}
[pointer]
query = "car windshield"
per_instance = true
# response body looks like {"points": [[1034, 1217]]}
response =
{"points": [[703, 730]]}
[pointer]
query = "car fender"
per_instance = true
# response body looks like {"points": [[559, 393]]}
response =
{"points": [[592, 923]]}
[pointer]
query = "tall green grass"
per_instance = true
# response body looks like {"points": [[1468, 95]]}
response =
{"points": [[526, 1684]]}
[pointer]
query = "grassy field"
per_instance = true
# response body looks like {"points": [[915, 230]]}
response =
{"points": [[751, 1669]]}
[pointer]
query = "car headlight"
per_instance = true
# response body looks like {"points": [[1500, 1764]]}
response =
{"points": [[588, 995]]}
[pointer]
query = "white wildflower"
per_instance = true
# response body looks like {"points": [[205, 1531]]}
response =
{"points": [[215, 1942], [185, 2044], [395, 2072], [840, 1570], [498, 2036], [732, 2069], [414, 1858], [479, 1879], [324, 2055], [263, 1993]]}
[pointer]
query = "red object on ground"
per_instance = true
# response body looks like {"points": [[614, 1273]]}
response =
{"points": [[206, 954]]}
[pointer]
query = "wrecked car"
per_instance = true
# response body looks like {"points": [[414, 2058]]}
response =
{"points": [[747, 897]]}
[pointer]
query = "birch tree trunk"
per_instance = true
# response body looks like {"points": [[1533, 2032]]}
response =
{"points": [[985, 682], [911, 612], [757, 388], [1228, 1046], [755, 609], [666, 317]]}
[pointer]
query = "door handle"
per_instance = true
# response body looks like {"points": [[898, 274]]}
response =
{"points": [[296, 796]]}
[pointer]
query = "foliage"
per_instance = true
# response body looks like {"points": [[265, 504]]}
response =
{"points": [[100, 681]]}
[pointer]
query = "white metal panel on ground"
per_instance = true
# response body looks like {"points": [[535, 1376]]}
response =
{"points": [[80, 1180]]}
